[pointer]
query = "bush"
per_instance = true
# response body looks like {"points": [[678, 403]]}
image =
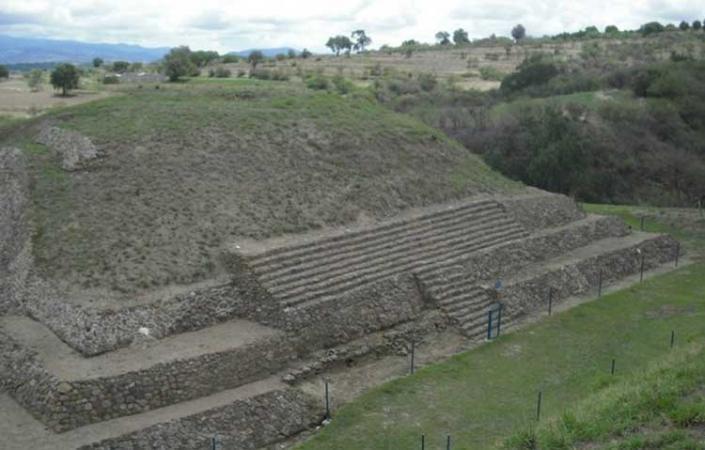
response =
{"points": [[219, 72], [266, 74], [535, 70], [230, 59], [34, 79], [111, 79], [65, 77], [342, 85], [4, 73], [427, 81], [491, 74], [178, 63], [317, 82]]}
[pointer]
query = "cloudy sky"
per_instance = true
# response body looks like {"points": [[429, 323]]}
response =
{"points": [[233, 25]]}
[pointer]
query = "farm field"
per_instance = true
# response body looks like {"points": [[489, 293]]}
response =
{"points": [[484, 395], [18, 101]]}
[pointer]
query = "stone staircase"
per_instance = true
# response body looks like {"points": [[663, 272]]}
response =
{"points": [[314, 272], [463, 301]]}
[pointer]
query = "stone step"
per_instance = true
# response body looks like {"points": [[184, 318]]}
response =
{"points": [[366, 277], [344, 247], [325, 272], [463, 305], [357, 256], [565, 233], [449, 294], [295, 250]]}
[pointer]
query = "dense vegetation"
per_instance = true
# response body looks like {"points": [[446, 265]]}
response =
{"points": [[593, 129]]}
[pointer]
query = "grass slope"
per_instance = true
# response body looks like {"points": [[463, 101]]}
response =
{"points": [[481, 396], [661, 408], [187, 167]]}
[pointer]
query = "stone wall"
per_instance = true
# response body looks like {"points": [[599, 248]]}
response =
{"points": [[64, 405], [15, 245], [253, 423], [357, 313], [542, 210], [531, 294], [92, 331]]}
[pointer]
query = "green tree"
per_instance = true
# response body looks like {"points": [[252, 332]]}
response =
{"points": [[611, 29], [228, 59], [460, 36], [408, 47], [97, 62], [65, 77], [684, 26], [339, 43], [697, 25], [305, 53], [4, 73], [291, 53], [34, 79], [518, 32], [121, 66], [362, 40], [651, 28], [178, 63], [201, 58], [443, 37], [255, 57]]}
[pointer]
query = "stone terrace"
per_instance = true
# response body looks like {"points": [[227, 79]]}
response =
{"points": [[216, 357]]}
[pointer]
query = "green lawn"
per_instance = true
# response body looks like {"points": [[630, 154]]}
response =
{"points": [[482, 396]]}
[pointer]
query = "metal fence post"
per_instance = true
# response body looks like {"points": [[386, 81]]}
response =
{"points": [[327, 401], [642, 223], [448, 443], [599, 284], [678, 252], [423, 442], [673, 338], [499, 319], [538, 406], [641, 270], [489, 325], [613, 364], [550, 300], [413, 351]]}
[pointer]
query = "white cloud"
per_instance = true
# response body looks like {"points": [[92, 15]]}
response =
{"points": [[229, 25]]}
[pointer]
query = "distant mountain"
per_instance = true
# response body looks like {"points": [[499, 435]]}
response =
{"points": [[268, 52], [29, 50]]}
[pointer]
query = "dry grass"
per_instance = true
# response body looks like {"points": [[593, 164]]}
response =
{"points": [[189, 167]]}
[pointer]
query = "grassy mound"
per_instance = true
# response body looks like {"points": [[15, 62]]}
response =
{"points": [[482, 396], [187, 167]]}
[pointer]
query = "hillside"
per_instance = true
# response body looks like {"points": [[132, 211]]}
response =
{"points": [[185, 168]]}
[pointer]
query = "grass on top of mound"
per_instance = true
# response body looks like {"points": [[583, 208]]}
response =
{"points": [[482, 396], [187, 167]]}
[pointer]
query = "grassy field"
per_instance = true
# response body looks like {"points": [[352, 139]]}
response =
{"points": [[482, 396], [187, 167]]}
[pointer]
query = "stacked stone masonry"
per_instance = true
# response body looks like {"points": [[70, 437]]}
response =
{"points": [[342, 296]]}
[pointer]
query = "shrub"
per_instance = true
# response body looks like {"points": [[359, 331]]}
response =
{"points": [[120, 66], [219, 72], [266, 74], [342, 85], [427, 81], [651, 28], [111, 79], [491, 74], [4, 73], [34, 79], [535, 70], [317, 82]]}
